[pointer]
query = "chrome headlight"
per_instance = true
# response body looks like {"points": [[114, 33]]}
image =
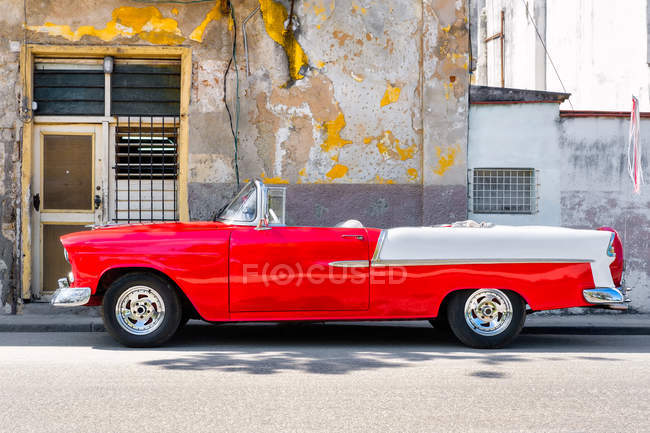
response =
{"points": [[65, 254], [71, 277]]}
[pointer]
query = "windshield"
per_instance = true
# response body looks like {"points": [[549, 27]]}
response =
{"points": [[243, 207]]}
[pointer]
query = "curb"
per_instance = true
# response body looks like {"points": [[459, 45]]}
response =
{"points": [[98, 326], [52, 327], [587, 330]]}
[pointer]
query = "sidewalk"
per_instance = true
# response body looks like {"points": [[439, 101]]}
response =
{"points": [[43, 317]]}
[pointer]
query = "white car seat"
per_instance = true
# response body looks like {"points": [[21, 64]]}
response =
{"points": [[350, 224]]}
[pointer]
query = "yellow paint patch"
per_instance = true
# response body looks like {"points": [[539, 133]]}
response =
{"points": [[147, 23], [390, 95], [381, 180], [389, 146], [333, 130], [446, 29], [274, 15], [320, 64], [446, 158], [213, 15], [319, 8], [412, 174], [337, 172], [357, 8], [174, 11], [271, 180], [302, 172]]}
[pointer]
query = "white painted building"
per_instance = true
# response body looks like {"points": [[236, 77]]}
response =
{"points": [[598, 47], [529, 163]]}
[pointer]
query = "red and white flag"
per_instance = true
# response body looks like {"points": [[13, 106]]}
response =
{"points": [[634, 148]]}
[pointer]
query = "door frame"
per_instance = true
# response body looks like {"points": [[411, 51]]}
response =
{"points": [[27, 54], [62, 216]]}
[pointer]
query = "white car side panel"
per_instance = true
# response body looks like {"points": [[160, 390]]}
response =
{"points": [[500, 243]]}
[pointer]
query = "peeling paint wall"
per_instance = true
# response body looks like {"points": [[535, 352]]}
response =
{"points": [[360, 107], [9, 152], [583, 175], [597, 191]]}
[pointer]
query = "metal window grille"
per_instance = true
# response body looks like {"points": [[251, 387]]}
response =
{"points": [[504, 190], [146, 169]]}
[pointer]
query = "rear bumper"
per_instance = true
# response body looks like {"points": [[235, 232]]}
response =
{"points": [[607, 297], [67, 296]]}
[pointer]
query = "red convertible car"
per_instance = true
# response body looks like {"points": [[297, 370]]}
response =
{"points": [[477, 280]]}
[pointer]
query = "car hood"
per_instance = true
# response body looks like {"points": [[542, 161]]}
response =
{"points": [[137, 232]]}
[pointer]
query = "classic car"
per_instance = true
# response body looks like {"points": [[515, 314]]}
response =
{"points": [[477, 280]]}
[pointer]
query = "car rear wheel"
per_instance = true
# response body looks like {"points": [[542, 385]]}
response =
{"points": [[486, 318], [141, 310]]}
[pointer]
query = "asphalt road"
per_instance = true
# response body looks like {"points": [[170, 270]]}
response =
{"points": [[323, 378]]}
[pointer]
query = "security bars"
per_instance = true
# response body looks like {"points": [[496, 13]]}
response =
{"points": [[146, 169], [504, 190]]}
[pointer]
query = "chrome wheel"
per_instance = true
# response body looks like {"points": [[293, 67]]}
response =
{"points": [[140, 310], [488, 312]]}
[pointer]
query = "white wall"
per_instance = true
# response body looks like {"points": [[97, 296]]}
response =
{"points": [[516, 136], [599, 48], [583, 175]]}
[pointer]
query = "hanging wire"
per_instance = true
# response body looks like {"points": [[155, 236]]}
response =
{"points": [[233, 61], [546, 51]]}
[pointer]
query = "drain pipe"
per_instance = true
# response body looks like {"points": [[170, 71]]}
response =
{"points": [[243, 29]]}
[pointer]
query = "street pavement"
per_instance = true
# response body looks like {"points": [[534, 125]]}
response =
{"points": [[323, 377]]}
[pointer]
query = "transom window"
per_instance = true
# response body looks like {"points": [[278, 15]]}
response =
{"points": [[504, 190]]}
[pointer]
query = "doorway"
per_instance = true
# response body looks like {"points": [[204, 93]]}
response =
{"points": [[66, 194]]}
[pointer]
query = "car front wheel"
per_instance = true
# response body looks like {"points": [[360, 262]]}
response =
{"points": [[141, 310], [486, 318]]}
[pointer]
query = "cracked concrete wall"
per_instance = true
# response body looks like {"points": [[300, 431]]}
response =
{"points": [[364, 93], [355, 120], [9, 152], [597, 191]]}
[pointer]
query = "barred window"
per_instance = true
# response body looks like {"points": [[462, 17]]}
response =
{"points": [[146, 168], [504, 190]]}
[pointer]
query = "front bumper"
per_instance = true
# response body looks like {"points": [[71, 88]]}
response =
{"points": [[67, 296], [607, 297]]}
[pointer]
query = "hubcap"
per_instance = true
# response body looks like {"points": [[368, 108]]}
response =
{"points": [[140, 310], [488, 312]]}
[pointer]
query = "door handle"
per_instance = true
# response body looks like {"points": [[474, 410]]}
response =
{"points": [[358, 237], [36, 201]]}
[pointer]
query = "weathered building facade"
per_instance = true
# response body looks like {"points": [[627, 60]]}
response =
{"points": [[597, 50], [114, 111], [577, 166]]}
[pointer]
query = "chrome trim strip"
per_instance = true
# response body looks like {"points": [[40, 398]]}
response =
{"points": [[439, 262], [604, 295], [71, 296], [350, 264], [380, 242]]}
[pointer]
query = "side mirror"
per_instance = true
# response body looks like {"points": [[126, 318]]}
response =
{"points": [[263, 223]]}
